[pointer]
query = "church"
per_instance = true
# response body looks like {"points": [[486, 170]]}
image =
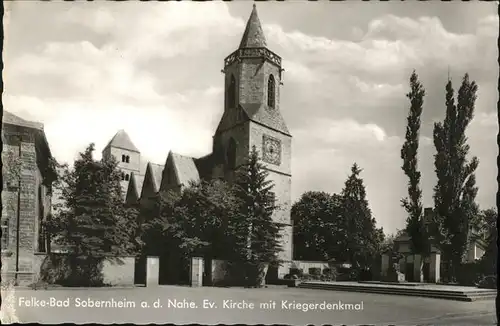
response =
{"points": [[251, 117]]}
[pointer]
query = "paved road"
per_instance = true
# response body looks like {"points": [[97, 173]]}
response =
{"points": [[375, 309]]}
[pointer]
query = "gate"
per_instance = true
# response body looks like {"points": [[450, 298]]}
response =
{"points": [[140, 270]]}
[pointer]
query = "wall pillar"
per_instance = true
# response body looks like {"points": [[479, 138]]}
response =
{"points": [[417, 268], [152, 271], [196, 271], [435, 267], [384, 269]]}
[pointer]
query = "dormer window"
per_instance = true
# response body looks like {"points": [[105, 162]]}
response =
{"points": [[271, 92]]}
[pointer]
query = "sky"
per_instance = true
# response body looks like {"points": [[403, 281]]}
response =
{"points": [[86, 70]]}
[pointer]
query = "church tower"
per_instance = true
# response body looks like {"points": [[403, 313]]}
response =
{"points": [[127, 155], [252, 117]]}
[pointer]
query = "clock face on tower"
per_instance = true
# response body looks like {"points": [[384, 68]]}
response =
{"points": [[271, 149]]}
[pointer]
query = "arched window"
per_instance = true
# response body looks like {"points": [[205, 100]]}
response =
{"points": [[271, 92], [126, 177], [231, 154], [231, 92], [127, 159], [123, 158], [123, 176]]}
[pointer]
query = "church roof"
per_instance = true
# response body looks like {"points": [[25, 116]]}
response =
{"points": [[253, 37], [269, 118], [156, 173], [137, 180], [122, 140], [185, 169]]}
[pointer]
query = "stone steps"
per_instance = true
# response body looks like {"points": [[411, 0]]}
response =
{"points": [[472, 295]]}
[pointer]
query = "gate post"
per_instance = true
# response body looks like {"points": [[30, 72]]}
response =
{"points": [[196, 272], [152, 271]]}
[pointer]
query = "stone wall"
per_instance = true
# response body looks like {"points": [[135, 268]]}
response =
{"points": [[29, 208], [120, 272]]}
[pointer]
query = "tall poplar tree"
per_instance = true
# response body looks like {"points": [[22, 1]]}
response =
{"points": [[409, 153], [455, 191]]}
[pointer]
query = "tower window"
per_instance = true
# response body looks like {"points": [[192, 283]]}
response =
{"points": [[231, 154], [126, 177], [271, 92], [123, 176], [231, 92], [123, 158], [127, 159]]}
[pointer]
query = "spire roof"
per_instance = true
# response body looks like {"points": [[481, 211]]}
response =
{"points": [[253, 37], [122, 140]]}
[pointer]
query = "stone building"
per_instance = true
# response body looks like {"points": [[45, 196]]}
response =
{"points": [[26, 201], [251, 117]]}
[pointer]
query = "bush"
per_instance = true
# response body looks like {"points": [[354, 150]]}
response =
{"points": [[296, 271], [468, 274], [488, 282], [315, 271], [72, 271]]}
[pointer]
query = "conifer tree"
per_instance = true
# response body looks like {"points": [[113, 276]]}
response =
{"points": [[364, 240], [93, 223], [455, 191], [255, 235]]}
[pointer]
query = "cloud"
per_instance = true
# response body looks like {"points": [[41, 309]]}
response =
{"points": [[88, 70]]}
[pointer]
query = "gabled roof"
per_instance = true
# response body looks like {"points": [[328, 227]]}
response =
{"points": [[253, 37], [157, 171], [135, 185], [152, 180], [41, 142], [185, 168], [122, 140], [9, 118]]}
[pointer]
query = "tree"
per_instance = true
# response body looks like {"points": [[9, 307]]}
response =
{"points": [[409, 153], [318, 226], [93, 223], [455, 191], [254, 234], [195, 220], [487, 230], [364, 239]]}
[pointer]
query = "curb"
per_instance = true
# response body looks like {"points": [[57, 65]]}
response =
{"points": [[435, 294], [60, 288]]}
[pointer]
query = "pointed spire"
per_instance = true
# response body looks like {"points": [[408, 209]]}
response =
{"points": [[122, 140], [253, 36]]}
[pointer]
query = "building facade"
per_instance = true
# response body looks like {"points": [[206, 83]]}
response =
{"points": [[26, 198]]}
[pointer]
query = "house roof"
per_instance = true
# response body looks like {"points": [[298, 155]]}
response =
{"points": [[9, 118], [122, 140], [253, 37], [185, 169], [40, 140]]}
